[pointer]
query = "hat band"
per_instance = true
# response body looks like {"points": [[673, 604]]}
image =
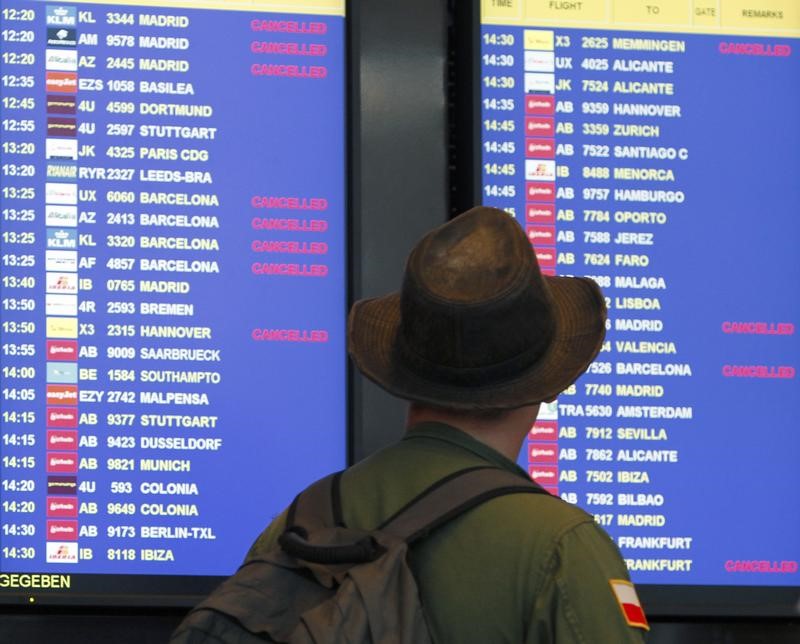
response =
{"points": [[481, 376]]}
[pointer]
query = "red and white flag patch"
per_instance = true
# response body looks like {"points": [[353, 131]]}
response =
{"points": [[629, 603]]}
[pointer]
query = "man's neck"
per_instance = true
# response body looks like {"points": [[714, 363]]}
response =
{"points": [[504, 432]]}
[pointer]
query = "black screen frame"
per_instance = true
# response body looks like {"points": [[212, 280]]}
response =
{"points": [[659, 600], [106, 591]]}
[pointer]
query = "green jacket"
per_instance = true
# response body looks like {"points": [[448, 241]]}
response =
{"points": [[521, 568]]}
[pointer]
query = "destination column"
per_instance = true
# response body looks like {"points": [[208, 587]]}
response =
{"points": [[632, 198]]}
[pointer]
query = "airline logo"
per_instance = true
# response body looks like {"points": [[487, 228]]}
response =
{"points": [[61, 104], [62, 417], [62, 327], [540, 170], [539, 61], [62, 283], [62, 126], [61, 60], [61, 82], [62, 238], [544, 475], [61, 149], [540, 148], [62, 485], [60, 215], [61, 193], [62, 350], [540, 82], [64, 530], [60, 439], [541, 235], [62, 506], [62, 462], [542, 453], [546, 257], [548, 411], [542, 213], [538, 39], [538, 104], [62, 37], [62, 394], [62, 373], [540, 126], [545, 430], [535, 191], [61, 260], [62, 171], [61, 16], [58, 304], [62, 552]]}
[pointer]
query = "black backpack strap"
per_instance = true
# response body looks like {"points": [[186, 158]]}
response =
{"points": [[318, 506], [452, 496]]}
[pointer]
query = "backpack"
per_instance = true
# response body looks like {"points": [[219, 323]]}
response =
{"points": [[329, 583]]}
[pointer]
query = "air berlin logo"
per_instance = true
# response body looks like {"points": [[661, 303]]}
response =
{"points": [[544, 235], [539, 126], [62, 506], [546, 257], [62, 350], [540, 104], [62, 439], [62, 462], [540, 191], [62, 417], [540, 148], [543, 474], [542, 453], [544, 430], [62, 530], [540, 213]]}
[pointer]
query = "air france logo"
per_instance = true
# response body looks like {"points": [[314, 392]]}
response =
{"points": [[61, 260]]}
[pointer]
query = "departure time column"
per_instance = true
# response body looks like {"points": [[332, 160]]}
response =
{"points": [[21, 310]]}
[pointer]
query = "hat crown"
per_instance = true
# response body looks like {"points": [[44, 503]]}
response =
{"points": [[475, 309], [473, 261]]}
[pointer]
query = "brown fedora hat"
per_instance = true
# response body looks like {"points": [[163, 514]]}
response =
{"points": [[476, 325]]}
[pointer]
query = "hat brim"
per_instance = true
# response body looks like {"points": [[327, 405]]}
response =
{"points": [[580, 316]]}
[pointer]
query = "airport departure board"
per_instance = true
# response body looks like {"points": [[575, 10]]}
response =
{"points": [[655, 146], [173, 282]]}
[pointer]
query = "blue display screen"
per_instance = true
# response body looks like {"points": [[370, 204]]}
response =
{"points": [[173, 282], [664, 165]]}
